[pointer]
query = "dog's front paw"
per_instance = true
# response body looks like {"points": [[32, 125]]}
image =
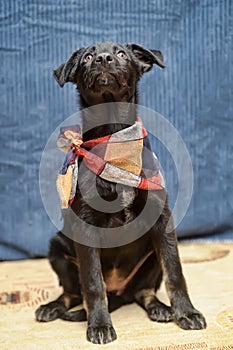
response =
{"points": [[191, 319], [101, 334], [50, 311]]}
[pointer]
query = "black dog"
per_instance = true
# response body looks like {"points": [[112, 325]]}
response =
{"points": [[103, 279]]}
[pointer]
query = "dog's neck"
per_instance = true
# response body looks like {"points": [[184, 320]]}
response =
{"points": [[106, 118]]}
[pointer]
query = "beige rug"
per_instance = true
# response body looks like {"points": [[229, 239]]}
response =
{"points": [[209, 272]]}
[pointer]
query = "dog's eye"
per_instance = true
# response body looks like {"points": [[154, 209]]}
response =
{"points": [[88, 58], [122, 55]]}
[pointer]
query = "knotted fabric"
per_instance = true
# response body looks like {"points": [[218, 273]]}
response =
{"points": [[124, 157]]}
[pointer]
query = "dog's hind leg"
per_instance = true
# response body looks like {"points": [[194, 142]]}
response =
{"points": [[156, 310], [114, 303], [62, 259]]}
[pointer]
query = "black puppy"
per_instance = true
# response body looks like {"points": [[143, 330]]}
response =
{"points": [[103, 279]]}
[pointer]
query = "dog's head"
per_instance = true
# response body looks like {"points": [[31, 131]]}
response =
{"points": [[107, 69]]}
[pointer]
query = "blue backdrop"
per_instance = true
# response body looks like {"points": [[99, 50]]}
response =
{"points": [[194, 93]]}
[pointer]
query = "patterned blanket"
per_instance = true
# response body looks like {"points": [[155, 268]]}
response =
{"points": [[123, 157]]}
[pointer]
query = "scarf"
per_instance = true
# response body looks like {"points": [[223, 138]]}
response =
{"points": [[124, 157]]}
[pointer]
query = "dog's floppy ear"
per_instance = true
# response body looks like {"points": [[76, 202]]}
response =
{"points": [[66, 71], [146, 57]]}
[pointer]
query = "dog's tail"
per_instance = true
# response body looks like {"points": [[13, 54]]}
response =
{"points": [[74, 316]]}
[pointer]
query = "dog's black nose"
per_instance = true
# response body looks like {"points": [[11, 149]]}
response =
{"points": [[104, 57]]}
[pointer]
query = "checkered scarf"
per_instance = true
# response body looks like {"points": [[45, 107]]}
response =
{"points": [[123, 157]]}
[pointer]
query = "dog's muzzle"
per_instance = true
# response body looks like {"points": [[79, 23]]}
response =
{"points": [[107, 79]]}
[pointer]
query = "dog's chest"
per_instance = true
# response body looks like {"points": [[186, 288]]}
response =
{"points": [[116, 281], [120, 198], [127, 201], [119, 270]]}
